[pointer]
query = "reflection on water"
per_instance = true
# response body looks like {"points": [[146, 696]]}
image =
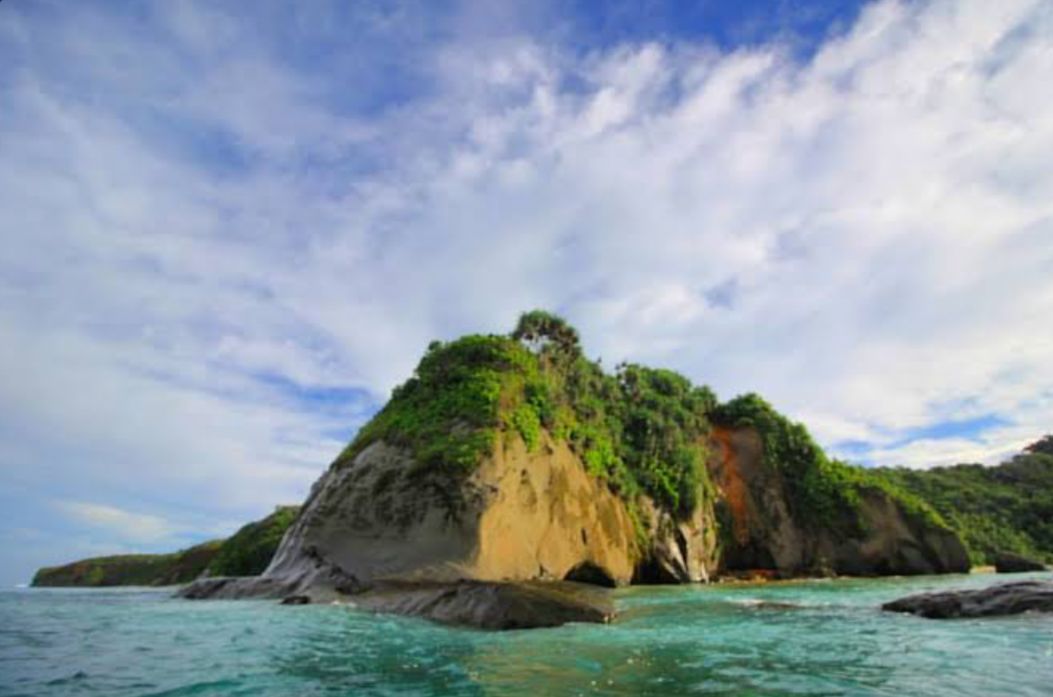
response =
{"points": [[809, 638]]}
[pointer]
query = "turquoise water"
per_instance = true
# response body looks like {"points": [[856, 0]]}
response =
{"points": [[718, 640]]}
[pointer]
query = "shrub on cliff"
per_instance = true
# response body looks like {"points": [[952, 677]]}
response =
{"points": [[248, 551], [642, 430]]}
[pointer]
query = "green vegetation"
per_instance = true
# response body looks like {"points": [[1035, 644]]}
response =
{"points": [[131, 569], [248, 551], [823, 492], [641, 430], [644, 431], [448, 413], [1008, 508]]}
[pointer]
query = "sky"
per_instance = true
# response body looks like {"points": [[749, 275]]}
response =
{"points": [[229, 231]]}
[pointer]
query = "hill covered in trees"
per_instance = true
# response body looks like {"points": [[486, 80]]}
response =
{"points": [[1006, 508], [246, 553]]}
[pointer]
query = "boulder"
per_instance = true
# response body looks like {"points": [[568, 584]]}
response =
{"points": [[1009, 563], [1003, 599]]}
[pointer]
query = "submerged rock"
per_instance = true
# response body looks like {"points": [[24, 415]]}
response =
{"points": [[1004, 599], [1009, 563]]}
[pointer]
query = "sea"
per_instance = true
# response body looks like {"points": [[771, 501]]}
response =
{"points": [[820, 637]]}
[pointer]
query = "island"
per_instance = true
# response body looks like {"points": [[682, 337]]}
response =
{"points": [[510, 474]]}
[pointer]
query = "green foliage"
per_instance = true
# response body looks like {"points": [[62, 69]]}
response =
{"points": [[131, 569], [542, 331], [640, 430], [248, 551], [526, 421], [822, 491], [664, 429], [448, 413], [1008, 508]]}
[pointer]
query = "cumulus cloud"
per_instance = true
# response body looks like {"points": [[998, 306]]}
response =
{"points": [[219, 256]]}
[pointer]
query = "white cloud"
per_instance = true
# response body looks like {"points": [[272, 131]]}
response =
{"points": [[136, 527], [864, 237]]}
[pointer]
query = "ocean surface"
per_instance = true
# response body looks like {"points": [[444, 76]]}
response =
{"points": [[801, 638]]}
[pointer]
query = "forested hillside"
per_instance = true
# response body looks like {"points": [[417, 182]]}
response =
{"points": [[1007, 508]]}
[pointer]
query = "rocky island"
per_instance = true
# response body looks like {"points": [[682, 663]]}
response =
{"points": [[510, 475], [513, 459]]}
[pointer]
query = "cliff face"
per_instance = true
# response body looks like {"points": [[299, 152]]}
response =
{"points": [[521, 515], [535, 514], [763, 532]]}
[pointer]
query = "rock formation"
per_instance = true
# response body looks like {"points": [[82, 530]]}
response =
{"points": [[1003, 599], [763, 532], [519, 516], [511, 460]]}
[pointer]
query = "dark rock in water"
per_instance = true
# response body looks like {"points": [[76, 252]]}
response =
{"points": [[234, 588], [296, 600], [487, 605], [480, 604], [1004, 599], [1009, 563]]}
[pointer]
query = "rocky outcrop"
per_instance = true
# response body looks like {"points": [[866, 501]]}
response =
{"points": [[1004, 599], [520, 516], [678, 551], [382, 533], [762, 532], [1009, 563]]}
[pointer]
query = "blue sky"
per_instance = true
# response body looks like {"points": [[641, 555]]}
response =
{"points": [[227, 233]]}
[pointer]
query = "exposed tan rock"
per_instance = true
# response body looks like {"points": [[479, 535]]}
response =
{"points": [[520, 516]]}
